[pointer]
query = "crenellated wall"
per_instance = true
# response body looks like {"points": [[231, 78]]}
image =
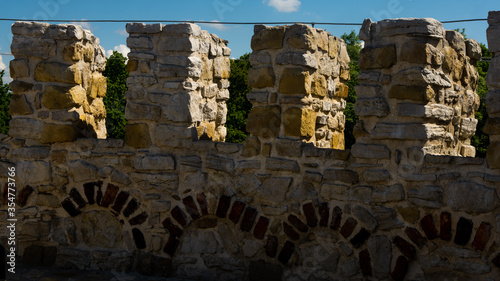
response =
{"points": [[171, 201]]}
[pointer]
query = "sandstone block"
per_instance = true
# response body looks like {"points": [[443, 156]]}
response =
{"points": [[433, 111], [301, 36], [264, 121], [420, 52], [29, 28], [58, 72], [297, 58], [425, 27], [452, 63], [19, 105], [266, 37], [137, 135], [139, 111], [222, 67], [470, 197], [261, 77], [299, 122], [19, 68], [473, 49], [169, 134], [371, 151], [144, 28], [178, 44], [58, 133], [18, 86], [381, 57], [25, 128], [333, 46], [60, 97], [206, 131], [139, 42], [97, 109], [154, 162], [97, 87], [26, 47], [318, 86], [408, 131], [468, 127], [416, 93], [260, 58], [493, 39], [371, 107], [295, 81]]}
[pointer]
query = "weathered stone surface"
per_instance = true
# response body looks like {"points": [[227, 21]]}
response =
{"points": [[261, 77], [299, 122], [470, 197], [370, 151], [154, 162], [432, 111], [267, 37], [471, 267], [19, 105], [137, 135], [365, 217], [380, 248], [371, 107], [373, 58], [61, 97], [264, 121], [426, 196], [58, 133], [57, 72], [412, 131], [297, 58], [376, 175], [386, 194], [295, 81]]}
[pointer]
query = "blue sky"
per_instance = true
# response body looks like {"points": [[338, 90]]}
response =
{"points": [[113, 35]]}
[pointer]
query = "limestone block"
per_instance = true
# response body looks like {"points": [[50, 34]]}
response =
{"points": [[410, 131], [206, 130], [19, 105], [468, 127], [415, 51], [470, 197], [97, 109], [137, 135], [416, 93], [182, 107], [266, 37], [60, 97], [165, 134], [209, 110], [132, 65], [98, 86], [295, 81], [299, 122], [452, 63], [318, 86], [301, 36], [223, 95], [19, 68], [154, 162], [144, 28], [210, 91], [260, 58], [379, 57], [178, 44], [456, 40], [493, 39], [338, 141], [221, 113], [140, 111], [425, 27], [182, 28], [297, 58], [58, 72], [264, 121], [222, 67], [139, 42], [34, 172], [58, 133], [77, 51], [371, 151], [29, 28], [258, 97], [371, 107], [473, 49], [432, 111], [26, 47], [467, 151], [261, 77]]}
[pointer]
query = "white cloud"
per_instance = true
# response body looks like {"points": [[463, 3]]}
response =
{"points": [[2, 64], [121, 49], [217, 26], [85, 25], [285, 6], [122, 32]]}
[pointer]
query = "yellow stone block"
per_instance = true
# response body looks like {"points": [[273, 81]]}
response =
{"points": [[58, 133], [261, 77], [264, 121], [300, 122], [341, 90], [318, 86], [206, 131], [97, 109], [295, 81], [338, 141], [61, 97], [58, 72], [137, 135]]}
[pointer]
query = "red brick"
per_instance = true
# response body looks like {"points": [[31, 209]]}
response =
{"points": [[286, 252], [405, 247], [400, 270], [131, 207], [483, 234], [202, 202], [179, 216], [23, 195], [348, 227], [171, 245], [445, 226], [290, 232], [297, 223], [415, 237], [120, 201], [236, 211], [139, 240], [310, 214], [464, 231], [173, 229], [260, 228], [139, 219], [336, 218], [191, 207], [272, 246], [224, 203], [248, 219], [110, 195], [365, 262], [70, 207], [89, 191], [77, 197], [360, 238], [427, 224], [324, 214]]}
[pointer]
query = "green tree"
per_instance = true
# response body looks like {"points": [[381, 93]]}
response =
{"points": [[238, 105], [116, 76], [353, 48], [5, 95], [481, 140]]}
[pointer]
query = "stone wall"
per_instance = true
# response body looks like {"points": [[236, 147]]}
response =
{"points": [[283, 210], [493, 81]]}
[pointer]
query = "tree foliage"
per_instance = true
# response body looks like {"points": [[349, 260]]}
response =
{"points": [[116, 76], [5, 95], [238, 105], [481, 140]]}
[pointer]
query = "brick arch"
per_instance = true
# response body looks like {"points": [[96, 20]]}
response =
{"points": [[120, 203]]}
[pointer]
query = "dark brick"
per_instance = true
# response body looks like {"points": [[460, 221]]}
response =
{"points": [[496, 261], [272, 246], [400, 270], [360, 238], [324, 214], [120, 201], [179, 216], [348, 227], [70, 207], [297, 223], [336, 218], [75, 195], [236, 211], [286, 252], [310, 214], [140, 242], [248, 219], [264, 271], [260, 228], [139, 219], [98, 196], [405, 247], [202, 202], [89, 191], [49, 255], [191, 207], [483, 234], [224, 203], [131, 207], [427, 224], [171, 245], [290, 232], [173, 229], [445, 226], [365, 262], [110, 195], [464, 231], [415, 237], [33, 255], [23, 195]]}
